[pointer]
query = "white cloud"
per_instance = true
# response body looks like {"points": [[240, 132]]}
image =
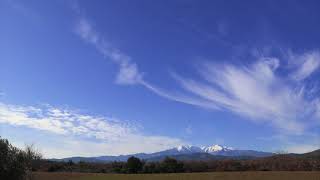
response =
{"points": [[29, 117], [255, 91], [64, 146], [128, 74], [85, 30], [128, 70], [111, 135], [306, 64], [179, 97]]}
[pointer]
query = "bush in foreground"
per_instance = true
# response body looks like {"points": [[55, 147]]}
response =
{"points": [[16, 164]]}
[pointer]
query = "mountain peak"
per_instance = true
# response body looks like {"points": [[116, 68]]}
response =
{"points": [[215, 148], [206, 149]]}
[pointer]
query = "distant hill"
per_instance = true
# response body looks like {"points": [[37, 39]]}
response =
{"points": [[200, 157], [78, 159], [312, 155], [191, 160], [181, 153]]}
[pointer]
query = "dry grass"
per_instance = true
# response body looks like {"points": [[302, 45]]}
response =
{"points": [[184, 176], [58, 176]]}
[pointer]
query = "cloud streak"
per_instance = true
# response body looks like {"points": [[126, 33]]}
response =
{"points": [[257, 91], [308, 63], [110, 133], [129, 73], [128, 70]]}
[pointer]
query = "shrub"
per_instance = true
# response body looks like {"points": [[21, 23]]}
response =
{"points": [[134, 165], [170, 165], [16, 164]]}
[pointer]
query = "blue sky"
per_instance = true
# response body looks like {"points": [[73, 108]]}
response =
{"points": [[116, 77]]}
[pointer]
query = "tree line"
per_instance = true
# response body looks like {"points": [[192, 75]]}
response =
{"points": [[171, 165]]}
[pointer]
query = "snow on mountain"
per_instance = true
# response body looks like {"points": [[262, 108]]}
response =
{"points": [[187, 149], [215, 148], [205, 149]]}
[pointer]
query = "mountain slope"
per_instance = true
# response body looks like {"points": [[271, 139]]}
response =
{"points": [[200, 157], [182, 153], [312, 155]]}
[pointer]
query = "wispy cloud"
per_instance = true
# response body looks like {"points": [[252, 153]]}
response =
{"points": [[256, 91], [307, 64], [128, 70], [264, 91], [178, 97], [108, 132], [129, 73]]}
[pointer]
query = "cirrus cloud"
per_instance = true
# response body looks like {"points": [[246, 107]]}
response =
{"points": [[264, 91], [128, 70], [259, 91]]}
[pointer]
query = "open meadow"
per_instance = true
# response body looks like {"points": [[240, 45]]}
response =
{"points": [[184, 176]]}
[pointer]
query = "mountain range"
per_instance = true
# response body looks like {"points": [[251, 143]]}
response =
{"points": [[181, 153]]}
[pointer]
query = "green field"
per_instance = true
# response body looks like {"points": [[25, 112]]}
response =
{"points": [[184, 176]]}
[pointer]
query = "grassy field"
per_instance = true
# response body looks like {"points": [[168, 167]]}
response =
{"points": [[184, 176]]}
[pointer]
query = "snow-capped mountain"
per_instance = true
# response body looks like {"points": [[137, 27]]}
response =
{"points": [[187, 149], [193, 152], [215, 148]]}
